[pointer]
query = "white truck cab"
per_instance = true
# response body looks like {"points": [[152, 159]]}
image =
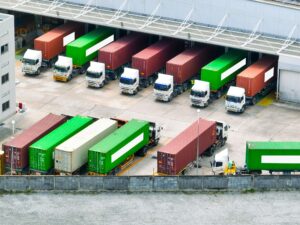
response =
{"points": [[164, 87], [235, 99], [220, 162], [200, 93], [63, 69], [129, 81], [32, 62], [95, 75]]}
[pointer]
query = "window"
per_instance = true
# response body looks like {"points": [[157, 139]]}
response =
{"points": [[4, 78], [4, 49], [5, 106]]}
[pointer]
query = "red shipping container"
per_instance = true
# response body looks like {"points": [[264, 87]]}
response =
{"points": [[21, 143], [121, 51], [188, 63], [182, 150], [54, 41], [154, 58], [258, 75]]}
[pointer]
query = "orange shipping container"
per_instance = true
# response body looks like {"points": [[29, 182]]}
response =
{"points": [[257, 76]]}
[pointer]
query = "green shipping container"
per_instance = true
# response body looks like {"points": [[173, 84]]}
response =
{"points": [[274, 156], [224, 69], [41, 152], [85, 49], [117, 147]]}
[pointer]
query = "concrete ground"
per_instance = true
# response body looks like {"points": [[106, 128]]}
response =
{"points": [[41, 95], [151, 208]]}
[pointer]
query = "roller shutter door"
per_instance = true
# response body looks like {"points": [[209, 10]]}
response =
{"points": [[289, 86]]}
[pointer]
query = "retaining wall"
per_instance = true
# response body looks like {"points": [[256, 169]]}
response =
{"points": [[148, 183]]}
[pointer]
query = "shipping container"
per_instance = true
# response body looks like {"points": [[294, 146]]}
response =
{"points": [[72, 154], [19, 146], [224, 69], [188, 63], [121, 51], [41, 153], [175, 156], [153, 59], [54, 41], [257, 76], [118, 146], [85, 48], [2, 163], [273, 156]]}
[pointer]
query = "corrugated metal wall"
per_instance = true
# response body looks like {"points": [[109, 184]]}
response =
{"points": [[242, 14]]}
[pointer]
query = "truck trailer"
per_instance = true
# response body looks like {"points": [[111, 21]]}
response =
{"points": [[72, 154], [181, 69], [41, 153], [252, 84], [115, 57], [17, 149], [147, 63], [217, 76], [135, 137], [175, 157], [48, 46], [82, 51]]}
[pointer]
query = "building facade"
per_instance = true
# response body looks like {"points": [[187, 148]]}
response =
{"points": [[7, 67]]}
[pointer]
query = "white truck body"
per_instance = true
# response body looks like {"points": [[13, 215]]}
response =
{"points": [[95, 75], [63, 69], [32, 62], [164, 87], [235, 99], [73, 153], [220, 162], [200, 93], [129, 81]]}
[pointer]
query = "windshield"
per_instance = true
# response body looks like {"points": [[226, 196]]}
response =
{"points": [[30, 61], [125, 80], [199, 93], [234, 99], [162, 87], [61, 69], [93, 74]]}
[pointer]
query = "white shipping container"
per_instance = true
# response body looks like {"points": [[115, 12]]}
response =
{"points": [[73, 153]]}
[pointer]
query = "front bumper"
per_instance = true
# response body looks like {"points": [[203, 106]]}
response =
{"points": [[232, 109], [161, 97], [60, 78], [29, 71], [127, 90], [93, 84], [198, 103]]}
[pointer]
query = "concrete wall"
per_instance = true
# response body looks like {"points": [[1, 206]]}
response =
{"points": [[148, 183], [241, 14]]}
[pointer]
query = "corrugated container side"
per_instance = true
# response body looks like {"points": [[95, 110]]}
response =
{"points": [[188, 63], [41, 153], [20, 144], [73, 153], [257, 76], [118, 146], [52, 43], [121, 51], [275, 156], [2, 163], [182, 150], [152, 59]]}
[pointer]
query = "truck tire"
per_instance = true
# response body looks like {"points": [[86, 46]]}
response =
{"points": [[254, 101], [38, 71], [243, 109]]}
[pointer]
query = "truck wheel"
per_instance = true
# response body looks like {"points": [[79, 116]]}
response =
{"points": [[254, 101], [38, 71], [243, 109], [101, 85]]}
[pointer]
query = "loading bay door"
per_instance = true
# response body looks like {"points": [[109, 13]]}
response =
{"points": [[289, 86]]}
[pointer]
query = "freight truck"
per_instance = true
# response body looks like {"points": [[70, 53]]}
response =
{"points": [[115, 57], [82, 51], [252, 84], [217, 77], [17, 149], [41, 153], [135, 137], [180, 153], [48, 46], [147, 63], [181, 70], [72, 155]]}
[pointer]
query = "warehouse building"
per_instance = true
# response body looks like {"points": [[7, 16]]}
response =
{"points": [[7, 67]]}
